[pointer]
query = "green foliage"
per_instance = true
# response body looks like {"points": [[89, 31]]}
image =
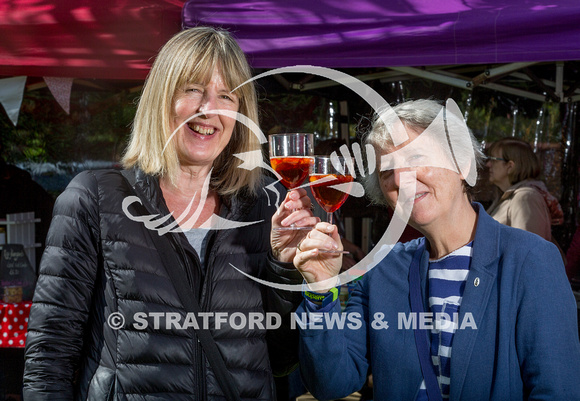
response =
{"points": [[298, 112], [494, 115], [97, 127]]}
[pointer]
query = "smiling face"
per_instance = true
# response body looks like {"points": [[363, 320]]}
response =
{"points": [[200, 140], [439, 193]]}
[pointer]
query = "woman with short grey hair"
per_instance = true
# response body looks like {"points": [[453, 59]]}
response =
{"points": [[475, 310]]}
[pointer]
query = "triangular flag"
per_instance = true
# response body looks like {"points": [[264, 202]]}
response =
{"points": [[60, 89], [11, 92]]}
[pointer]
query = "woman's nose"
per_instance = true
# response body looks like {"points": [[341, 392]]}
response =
{"points": [[405, 176], [397, 176], [208, 104]]}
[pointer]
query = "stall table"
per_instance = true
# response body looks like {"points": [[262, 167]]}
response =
{"points": [[14, 324]]}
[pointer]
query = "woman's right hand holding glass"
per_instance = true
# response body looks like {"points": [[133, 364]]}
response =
{"points": [[314, 265], [296, 209]]}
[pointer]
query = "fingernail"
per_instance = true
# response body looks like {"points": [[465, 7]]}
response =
{"points": [[330, 244], [329, 229]]}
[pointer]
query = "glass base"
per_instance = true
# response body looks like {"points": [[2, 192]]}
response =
{"points": [[293, 228], [332, 251]]}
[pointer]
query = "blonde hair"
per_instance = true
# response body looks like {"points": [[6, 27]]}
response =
{"points": [[191, 56], [526, 164]]}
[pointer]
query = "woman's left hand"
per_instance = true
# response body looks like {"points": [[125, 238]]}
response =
{"points": [[316, 266], [295, 209]]}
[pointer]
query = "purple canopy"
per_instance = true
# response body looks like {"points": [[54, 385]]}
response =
{"points": [[379, 33]]}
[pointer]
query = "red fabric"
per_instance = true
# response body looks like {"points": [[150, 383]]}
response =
{"points": [[556, 212], [106, 39], [14, 324], [116, 39]]}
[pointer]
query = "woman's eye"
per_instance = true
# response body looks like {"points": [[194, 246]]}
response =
{"points": [[415, 159], [194, 90], [229, 98], [385, 175]]}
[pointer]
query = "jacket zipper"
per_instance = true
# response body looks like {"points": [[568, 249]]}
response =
{"points": [[209, 256], [200, 389], [205, 297]]}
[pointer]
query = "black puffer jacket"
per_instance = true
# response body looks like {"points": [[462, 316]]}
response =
{"points": [[98, 262]]}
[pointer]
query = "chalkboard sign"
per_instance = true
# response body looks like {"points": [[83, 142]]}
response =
{"points": [[17, 278]]}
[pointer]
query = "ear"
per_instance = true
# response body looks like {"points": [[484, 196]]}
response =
{"points": [[510, 165]]}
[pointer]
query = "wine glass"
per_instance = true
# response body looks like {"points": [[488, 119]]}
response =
{"points": [[330, 182], [291, 158]]}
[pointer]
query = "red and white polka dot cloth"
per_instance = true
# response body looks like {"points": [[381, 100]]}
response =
{"points": [[14, 324]]}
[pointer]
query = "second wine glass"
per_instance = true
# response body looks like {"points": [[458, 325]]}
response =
{"points": [[330, 182]]}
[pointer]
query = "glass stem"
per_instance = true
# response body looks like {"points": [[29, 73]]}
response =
{"points": [[293, 210], [329, 217]]}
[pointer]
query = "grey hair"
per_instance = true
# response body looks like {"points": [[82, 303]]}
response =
{"points": [[417, 114]]}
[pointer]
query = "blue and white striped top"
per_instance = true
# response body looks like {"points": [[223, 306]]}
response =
{"points": [[447, 278]]}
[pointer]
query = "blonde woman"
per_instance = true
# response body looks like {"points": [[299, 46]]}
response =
{"points": [[131, 255]]}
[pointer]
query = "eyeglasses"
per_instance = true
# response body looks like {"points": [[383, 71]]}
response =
{"points": [[491, 158]]}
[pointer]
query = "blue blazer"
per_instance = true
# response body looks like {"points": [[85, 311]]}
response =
{"points": [[524, 346]]}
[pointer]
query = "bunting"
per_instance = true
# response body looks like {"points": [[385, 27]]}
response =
{"points": [[11, 92], [60, 89]]}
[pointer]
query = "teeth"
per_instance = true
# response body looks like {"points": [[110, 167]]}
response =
{"points": [[418, 196], [202, 130]]}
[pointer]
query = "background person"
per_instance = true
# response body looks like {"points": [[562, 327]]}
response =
{"points": [[99, 261], [510, 282], [524, 201]]}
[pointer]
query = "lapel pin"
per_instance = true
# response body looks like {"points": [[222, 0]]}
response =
{"points": [[476, 281]]}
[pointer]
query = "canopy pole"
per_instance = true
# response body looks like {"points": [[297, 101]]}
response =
{"points": [[458, 82], [501, 70], [560, 80]]}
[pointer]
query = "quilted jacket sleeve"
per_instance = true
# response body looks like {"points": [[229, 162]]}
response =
{"points": [[283, 342], [63, 293]]}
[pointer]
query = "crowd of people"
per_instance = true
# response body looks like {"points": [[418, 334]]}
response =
{"points": [[182, 229]]}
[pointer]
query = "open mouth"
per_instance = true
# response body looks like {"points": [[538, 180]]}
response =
{"points": [[207, 131], [418, 196]]}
